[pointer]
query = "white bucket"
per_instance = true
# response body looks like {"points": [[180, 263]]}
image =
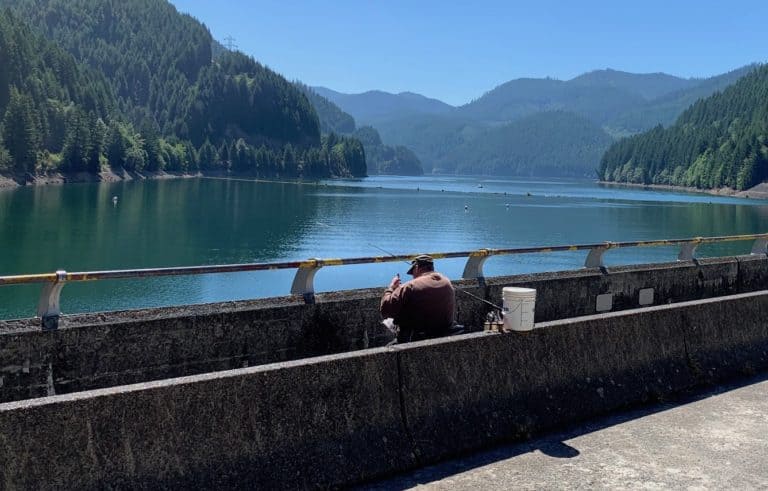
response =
{"points": [[519, 307]]}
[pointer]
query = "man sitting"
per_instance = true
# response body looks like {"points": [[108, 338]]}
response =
{"points": [[422, 308]]}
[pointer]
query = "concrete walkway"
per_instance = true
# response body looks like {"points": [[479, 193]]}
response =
{"points": [[713, 440]]}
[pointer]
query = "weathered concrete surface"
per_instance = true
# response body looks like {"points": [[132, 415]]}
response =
{"points": [[295, 424], [573, 293], [341, 419], [108, 349], [715, 440], [497, 388], [105, 350]]}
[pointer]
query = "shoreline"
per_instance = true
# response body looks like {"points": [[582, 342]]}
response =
{"points": [[757, 192], [109, 175]]}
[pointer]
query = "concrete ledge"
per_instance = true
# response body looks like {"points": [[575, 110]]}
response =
{"points": [[727, 339], [342, 419], [495, 388], [299, 424], [109, 349]]}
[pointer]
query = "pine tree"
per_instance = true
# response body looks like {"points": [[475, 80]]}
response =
{"points": [[20, 133], [77, 143], [117, 145]]}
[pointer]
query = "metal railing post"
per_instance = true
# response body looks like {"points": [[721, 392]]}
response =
{"points": [[595, 256], [49, 307], [760, 246], [474, 267], [303, 282], [688, 250]]}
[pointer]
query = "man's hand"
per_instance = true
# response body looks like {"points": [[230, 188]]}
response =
{"points": [[395, 282]]}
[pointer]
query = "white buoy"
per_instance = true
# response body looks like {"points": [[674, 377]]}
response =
{"points": [[114, 200]]}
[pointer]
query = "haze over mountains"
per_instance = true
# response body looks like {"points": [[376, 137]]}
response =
{"points": [[376, 106], [584, 115], [380, 158], [137, 86]]}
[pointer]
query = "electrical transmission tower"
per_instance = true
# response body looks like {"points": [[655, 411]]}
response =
{"points": [[229, 43]]}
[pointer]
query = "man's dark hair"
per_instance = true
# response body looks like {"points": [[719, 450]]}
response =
{"points": [[426, 266]]}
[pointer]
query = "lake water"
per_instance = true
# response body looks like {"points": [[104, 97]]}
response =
{"points": [[188, 222]]}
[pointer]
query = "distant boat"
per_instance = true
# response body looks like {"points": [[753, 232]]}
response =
{"points": [[480, 185], [114, 200]]}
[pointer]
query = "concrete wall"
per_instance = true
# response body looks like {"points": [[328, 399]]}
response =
{"points": [[109, 349], [293, 424], [343, 419]]}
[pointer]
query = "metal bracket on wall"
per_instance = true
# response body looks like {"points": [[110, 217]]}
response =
{"points": [[604, 302], [49, 308], [688, 250], [474, 267], [595, 256], [760, 246], [303, 282]]}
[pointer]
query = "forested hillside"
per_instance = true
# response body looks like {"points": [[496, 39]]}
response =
{"points": [[545, 144], [615, 103], [332, 118], [386, 159], [719, 141], [381, 158], [175, 108], [523, 97], [376, 106], [555, 143], [647, 85], [46, 101], [666, 108]]}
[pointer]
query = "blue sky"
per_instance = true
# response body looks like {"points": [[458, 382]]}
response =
{"points": [[456, 51]]}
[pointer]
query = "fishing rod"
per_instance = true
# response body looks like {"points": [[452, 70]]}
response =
{"points": [[387, 252], [462, 291], [482, 300]]}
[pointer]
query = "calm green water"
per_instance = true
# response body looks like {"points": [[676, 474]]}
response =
{"points": [[188, 222]]}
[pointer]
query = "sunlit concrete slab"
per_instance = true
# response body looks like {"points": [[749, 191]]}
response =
{"points": [[712, 440]]}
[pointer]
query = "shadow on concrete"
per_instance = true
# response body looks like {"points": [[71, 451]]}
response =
{"points": [[552, 444], [559, 450]]}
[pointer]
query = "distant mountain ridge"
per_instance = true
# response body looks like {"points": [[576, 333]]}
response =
{"points": [[648, 85], [375, 106], [523, 97], [381, 158], [616, 104]]}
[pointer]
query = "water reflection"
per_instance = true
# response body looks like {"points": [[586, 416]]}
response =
{"points": [[182, 222]]}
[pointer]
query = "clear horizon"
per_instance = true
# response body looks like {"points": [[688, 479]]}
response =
{"points": [[456, 53]]}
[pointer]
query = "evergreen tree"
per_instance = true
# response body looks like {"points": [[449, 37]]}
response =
{"points": [[98, 135], [117, 145], [718, 141], [141, 64], [208, 156], [20, 132], [290, 163], [77, 143], [5, 157]]}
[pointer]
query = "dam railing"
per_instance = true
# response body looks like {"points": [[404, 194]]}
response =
{"points": [[49, 310]]}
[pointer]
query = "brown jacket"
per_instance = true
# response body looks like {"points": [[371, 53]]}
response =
{"points": [[422, 308]]}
